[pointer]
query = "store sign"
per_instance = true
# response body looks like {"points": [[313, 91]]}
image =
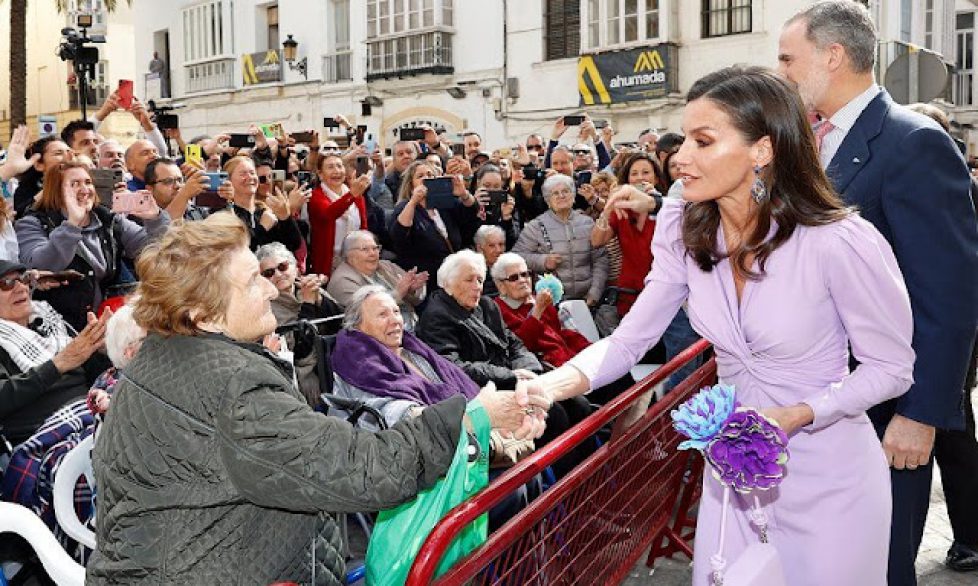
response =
{"points": [[261, 67], [627, 76]]}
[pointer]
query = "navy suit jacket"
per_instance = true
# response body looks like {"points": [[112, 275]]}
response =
{"points": [[908, 178]]}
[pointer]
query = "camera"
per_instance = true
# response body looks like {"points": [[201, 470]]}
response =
{"points": [[74, 45], [161, 115], [531, 173]]}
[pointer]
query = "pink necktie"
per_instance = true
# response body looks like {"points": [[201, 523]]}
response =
{"points": [[821, 129]]}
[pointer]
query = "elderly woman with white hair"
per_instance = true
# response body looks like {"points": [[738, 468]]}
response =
{"points": [[559, 242], [362, 266], [468, 329], [490, 242]]}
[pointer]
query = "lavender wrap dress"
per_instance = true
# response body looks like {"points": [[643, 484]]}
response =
{"points": [[786, 343]]}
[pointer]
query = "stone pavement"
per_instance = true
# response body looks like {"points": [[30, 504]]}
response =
{"points": [[930, 561]]}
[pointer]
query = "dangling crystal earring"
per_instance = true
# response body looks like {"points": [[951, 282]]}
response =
{"points": [[758, 191]]}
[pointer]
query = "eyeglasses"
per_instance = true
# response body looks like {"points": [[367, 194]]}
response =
{"points": [[581, 153], [280, 267], [534, 147], [374, 248], [517, 276], [169, 181], [9, 283]]}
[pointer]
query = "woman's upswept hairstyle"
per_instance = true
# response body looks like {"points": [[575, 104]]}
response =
{"points": [[184, 275], [52, 192], [760, 103]]}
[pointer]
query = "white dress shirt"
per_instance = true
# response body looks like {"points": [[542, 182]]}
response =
{"points": [[843, 121]]}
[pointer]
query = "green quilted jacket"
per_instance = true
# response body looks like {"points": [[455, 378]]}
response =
{"points": [[212, 469]]}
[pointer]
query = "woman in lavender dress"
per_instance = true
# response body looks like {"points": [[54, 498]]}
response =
{"points": [[781, 279]]}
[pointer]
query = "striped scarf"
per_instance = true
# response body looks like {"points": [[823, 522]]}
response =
{"points": [[28, 347]]}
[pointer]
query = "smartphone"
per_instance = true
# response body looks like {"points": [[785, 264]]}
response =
{"points": [[371, 144], [216, 179], [330, 123], [130, 202], [388, 152], [458, 150], [416, 134], [505, 152], [360, 132], [575, 120], [304, 137], [599, 123], [497, 197], [304, 178], [105, 181], [268, 130], [583, 177], [440, 194], [278, 178], [241, 141], [124, 91], [192, 153], [363, 166], [531, 173]]}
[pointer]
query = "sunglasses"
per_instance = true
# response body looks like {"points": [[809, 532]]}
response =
{"points": [[534, 147], [263, 179], [517, 276], [9, 283], [280, 267], [581, 152]]}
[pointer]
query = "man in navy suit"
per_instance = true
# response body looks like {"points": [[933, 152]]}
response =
{"points": [[906, 177]]}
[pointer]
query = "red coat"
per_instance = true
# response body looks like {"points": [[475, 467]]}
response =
{"points": [[544, 337], [322, 226]]}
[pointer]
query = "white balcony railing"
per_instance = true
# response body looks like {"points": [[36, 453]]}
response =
{"points": [[210, 75], [338, 67]]}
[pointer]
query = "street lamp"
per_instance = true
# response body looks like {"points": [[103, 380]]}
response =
{"points": [[290, 47]]}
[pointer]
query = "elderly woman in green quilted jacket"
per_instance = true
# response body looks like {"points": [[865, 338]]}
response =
{"points": [[211, 468]]}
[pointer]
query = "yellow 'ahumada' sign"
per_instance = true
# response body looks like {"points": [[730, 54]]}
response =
{"points": [[625, 76], [268, 68]]}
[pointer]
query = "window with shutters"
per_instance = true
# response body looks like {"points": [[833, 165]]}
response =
{"points": [[561, 29], [726, 17]]}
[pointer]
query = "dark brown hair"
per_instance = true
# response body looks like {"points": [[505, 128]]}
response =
{"points": [[626, 168], [759, 104]]}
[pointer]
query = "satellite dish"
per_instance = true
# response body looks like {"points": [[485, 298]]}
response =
{"points": [[932, 77]]}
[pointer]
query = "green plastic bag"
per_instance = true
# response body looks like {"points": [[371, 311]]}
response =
{"points": [[399, 532]]}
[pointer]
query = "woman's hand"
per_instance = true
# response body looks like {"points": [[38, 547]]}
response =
{"points": [[792, 418], [525, 421], [298, 197], [552, 261], [419, 194], [226, 190], [260, 141], [76, 214], [360, 185], [310, 288], [459, 190], [406, 283], [16, 162], [507, 208], [150, 214], [544, 300], [278, 204], [524, 374]]}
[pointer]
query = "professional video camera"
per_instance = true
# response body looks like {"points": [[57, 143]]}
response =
{"points": [[75, 47], [162, 116]]}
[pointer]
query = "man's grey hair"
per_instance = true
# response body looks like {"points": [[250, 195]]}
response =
{"points": [[448, 271], [352, 239], [414, 145], [844, 22], [353, 316], [505, 260], [485, 231], [121, 332], [555, 181], [275, 250]]}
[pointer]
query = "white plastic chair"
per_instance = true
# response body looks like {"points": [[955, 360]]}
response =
{"points": [[76, 463], [57, 563], [583, 320]]}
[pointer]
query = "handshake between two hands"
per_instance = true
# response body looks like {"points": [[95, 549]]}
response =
{"points": [[521, 413]]}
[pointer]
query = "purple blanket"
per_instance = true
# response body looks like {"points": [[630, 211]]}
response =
{"points": [[370, 366]]}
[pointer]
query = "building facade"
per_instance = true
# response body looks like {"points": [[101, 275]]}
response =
{"points": [[504, 68], [52, 86]]}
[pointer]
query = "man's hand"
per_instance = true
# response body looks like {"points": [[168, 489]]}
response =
{"points": [[88, 341], [110, 105], [195, 184], [260, 141], [139, 113], [16, 162], [559, 129], [908, 443]]}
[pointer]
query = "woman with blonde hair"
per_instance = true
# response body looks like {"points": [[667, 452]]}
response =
{"points": [[271, 221]]}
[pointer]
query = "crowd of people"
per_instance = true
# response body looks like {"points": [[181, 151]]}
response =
{"points": [[423, 261]]}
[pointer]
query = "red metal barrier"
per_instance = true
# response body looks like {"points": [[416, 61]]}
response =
{"points": [[595, 523]]}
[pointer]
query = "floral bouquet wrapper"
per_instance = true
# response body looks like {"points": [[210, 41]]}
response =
{"points": [[746, 450]]}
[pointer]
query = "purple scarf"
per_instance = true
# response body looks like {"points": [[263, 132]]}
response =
{"points": [[368, 365]]}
